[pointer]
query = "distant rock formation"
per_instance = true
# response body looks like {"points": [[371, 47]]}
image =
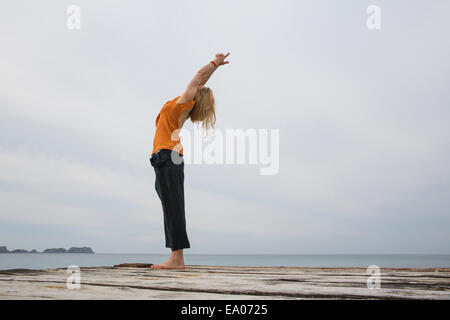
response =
{"points": [[3, 249], [55, 250], [80, 250], [19, 251]]}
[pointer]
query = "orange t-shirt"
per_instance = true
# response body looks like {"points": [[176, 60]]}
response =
{"points": [[167, 123]]}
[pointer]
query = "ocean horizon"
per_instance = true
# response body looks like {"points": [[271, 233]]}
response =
{"points": [[63, 260]]}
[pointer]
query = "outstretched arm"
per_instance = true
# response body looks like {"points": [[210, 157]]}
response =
{"points": [[201, 77]]}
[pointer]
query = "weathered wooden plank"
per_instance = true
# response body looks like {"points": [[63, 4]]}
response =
{"points": [[133, 265], [138, 281]]}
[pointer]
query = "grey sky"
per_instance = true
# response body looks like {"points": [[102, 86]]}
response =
{"points": [[363, 118]]}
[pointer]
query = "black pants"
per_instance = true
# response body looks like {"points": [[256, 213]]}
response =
{"points": [[169, 185]]}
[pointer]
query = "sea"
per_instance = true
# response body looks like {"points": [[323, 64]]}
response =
{"points": [[63, 260]]}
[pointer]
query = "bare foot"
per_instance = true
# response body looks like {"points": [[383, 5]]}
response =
{"points": [[169, 265]]}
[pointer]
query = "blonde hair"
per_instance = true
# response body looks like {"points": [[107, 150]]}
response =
{"points": [[204, 108]]}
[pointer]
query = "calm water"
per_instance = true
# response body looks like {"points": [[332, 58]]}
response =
{"points": [[58, 260]]}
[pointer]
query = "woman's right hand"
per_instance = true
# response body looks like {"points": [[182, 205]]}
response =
{"points": [[220, 59]]}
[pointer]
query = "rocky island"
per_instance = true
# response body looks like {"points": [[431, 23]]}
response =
{"points": [[19, 251], [80, 250], [55, 250], [4, 249]]}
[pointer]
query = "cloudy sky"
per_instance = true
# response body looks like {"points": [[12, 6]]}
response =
{"points": [[363, 117]]}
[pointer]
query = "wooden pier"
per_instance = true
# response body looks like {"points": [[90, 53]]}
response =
{"points": [[221, 282]]}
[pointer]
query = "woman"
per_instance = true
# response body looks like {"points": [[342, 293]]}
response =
{"points": [[196, 103]]}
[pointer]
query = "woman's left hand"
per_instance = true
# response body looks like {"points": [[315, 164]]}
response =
{"points": [[220, 59]]}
